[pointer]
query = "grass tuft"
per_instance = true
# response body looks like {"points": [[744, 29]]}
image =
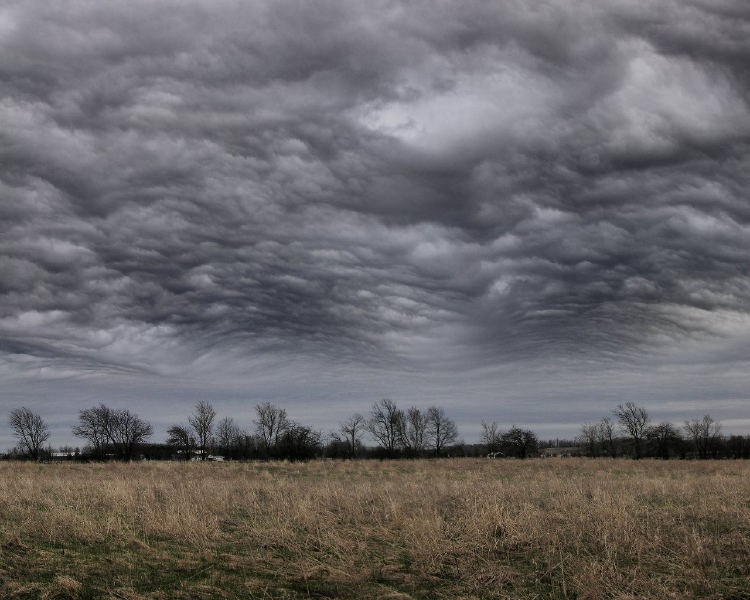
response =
{"points": [[474, 529]]}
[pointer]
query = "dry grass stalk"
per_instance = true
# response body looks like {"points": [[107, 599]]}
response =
{"points": [[583, 529]]}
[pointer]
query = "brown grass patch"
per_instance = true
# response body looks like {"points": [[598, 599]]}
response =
{"points": [[556, 528]]}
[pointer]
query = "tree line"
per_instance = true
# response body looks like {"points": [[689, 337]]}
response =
{"points": [[630, 432], [110, 433], [411, 433]]}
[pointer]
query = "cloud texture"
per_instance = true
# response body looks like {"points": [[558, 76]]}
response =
{"points": [[421, 185]]}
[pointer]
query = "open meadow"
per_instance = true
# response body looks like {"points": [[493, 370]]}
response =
{"points": [[449, 528]]}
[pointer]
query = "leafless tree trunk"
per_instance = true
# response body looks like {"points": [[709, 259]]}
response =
{"points": [[96, 425], [704, 432], [181, 438], [491, 436], [607, 436], [106, 428], [387, 425], [664, 436], [270, 424], [350, 429], [416, 430], [30, 430], [589, 438], [520, 443], [298, 442], [129, 430], [634, 420], [441, 430], [202, 422], [228, 434]]}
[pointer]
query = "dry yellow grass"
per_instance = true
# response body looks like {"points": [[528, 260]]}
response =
{"points": [[556, 528]]}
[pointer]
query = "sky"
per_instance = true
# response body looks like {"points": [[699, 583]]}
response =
{"points": [[521, 212]]}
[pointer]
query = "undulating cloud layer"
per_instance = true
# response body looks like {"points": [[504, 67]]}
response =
{"points": [[426, 186]]}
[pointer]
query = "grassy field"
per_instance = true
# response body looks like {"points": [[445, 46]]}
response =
{"points": [[464, 528]]}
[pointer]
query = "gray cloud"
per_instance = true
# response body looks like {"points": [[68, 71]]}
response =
{"points": [[422, 185]]}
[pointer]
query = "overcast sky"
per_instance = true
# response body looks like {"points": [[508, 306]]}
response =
{"points": [[522, 212]]}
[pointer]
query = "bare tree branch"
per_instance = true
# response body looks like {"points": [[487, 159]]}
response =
{"points": [[350, 429], [202, 421], [387, 425], [30, 430], [441, 431], [634, 420]]}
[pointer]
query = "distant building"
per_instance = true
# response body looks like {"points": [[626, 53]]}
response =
{"points": [[198, 455], [62, 456], [561, 452]]}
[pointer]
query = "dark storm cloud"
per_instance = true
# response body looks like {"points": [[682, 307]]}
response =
{"points": [[454, 184]]}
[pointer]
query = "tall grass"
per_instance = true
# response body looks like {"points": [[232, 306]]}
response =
{"points": [[556, 528]]}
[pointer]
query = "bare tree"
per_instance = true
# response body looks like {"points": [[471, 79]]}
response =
{"points": [[270, 424], [351, 429], [228, 434], [416, 430], [664, 438], [634, 420], [705, 433], [491, 437], [607, 436], [297, 442], [129, 430], [520, 443], [202, 422], [113, 430], [441, 431], [181, 438], [589, 438], [30, 430], [96, 425], [387, 425]]}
